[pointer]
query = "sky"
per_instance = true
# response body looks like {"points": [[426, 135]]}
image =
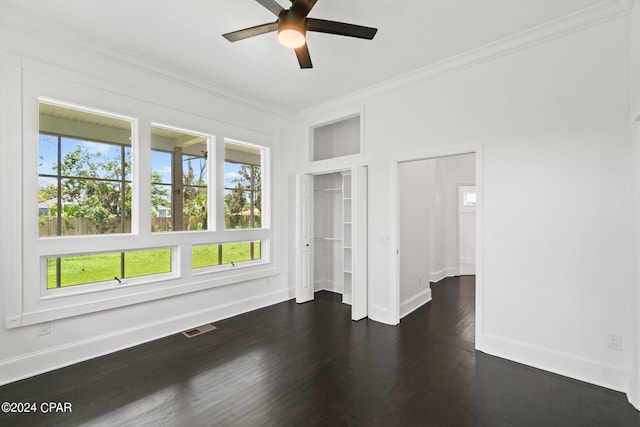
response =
{"points": [[161, 161]]}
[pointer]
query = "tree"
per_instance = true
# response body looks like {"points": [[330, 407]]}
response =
{"points": [[251, 173], [92, 187], [235, 203], [46, 192], [195, 193], [160, 195]]}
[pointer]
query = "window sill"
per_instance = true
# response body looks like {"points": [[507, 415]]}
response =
{"points": [[60, 307]]}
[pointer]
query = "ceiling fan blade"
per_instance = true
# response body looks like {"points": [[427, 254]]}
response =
{"points": [[274, 7], [303, 7], [304, 59], [340, 28], [251, 32]]}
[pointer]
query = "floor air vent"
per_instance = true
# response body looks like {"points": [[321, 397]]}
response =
{"points": [[199, 330]]}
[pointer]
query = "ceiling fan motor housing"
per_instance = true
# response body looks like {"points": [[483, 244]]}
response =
{"points": [[289, 20]]}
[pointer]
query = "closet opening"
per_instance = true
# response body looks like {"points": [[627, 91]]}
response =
{"points": [[332, 258], [332, 237]]}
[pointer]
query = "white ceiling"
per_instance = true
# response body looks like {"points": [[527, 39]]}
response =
{"points": [[185, 36]]}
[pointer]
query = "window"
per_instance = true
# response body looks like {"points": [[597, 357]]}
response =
{"points": [[179, 177], [227, 253], [111, 216], [84, 171], [113, 266], [242, 185]]}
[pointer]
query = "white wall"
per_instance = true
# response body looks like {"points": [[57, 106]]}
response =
{"points": [[552, 123], [634, 22], [22, 352], [416, 181]]}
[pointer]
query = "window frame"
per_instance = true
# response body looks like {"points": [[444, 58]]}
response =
{"points": [[26, 83]]}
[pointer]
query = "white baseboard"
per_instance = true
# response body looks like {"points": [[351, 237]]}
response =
{"points": [[39, 362], [561, 363], [415, 302], [443, 273], [327, 285], [382, 314], [467, 269]]}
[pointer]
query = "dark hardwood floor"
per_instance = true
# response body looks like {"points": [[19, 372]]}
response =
{"points": [[309, 364]]}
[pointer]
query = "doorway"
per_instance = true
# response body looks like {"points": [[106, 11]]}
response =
{"points": [[436, 224], [331, 237]]}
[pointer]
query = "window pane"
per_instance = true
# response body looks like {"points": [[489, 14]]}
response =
{"points": [[240, 251], [227, 253], [242, 186], [146, 263], [85, 269], [204, 256], [94, 207], [47, 154], [179, 173], [84, 167]]}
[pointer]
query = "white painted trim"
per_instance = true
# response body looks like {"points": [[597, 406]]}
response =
{"points": [[327, 285], [64, 355], [330, 118], [223, 125], [415, 302], [633, 393], [394, 264], [382, 314], [584, 18], [137, 62], [11, 186], [437, 276], [561, 363], [138, 294]]}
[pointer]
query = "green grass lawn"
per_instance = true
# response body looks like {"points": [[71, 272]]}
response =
{"points": [[79, 270]]}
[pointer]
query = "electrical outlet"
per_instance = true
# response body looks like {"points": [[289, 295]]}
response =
{"points": [[420, 279], [614, 342], [44, 328]]}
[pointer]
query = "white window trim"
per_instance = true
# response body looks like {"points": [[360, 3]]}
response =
{"points": [[25, 302]]}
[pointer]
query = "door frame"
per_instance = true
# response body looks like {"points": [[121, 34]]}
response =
{"points": [[394, 247], [633, 392], [359, 308]]}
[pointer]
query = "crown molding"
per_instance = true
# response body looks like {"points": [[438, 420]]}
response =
{"points": [[626, 5], [126, 58], [585, 18], [590, 16]]}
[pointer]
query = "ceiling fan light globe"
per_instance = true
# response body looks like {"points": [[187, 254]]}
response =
{"points": [[291, 38]]}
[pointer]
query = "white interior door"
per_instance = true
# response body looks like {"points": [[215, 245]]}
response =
{"points": [[360, 230], [304, 238], [467, 229]]}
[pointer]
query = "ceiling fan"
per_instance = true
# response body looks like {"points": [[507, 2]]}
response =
{"points": [[293, 24]]}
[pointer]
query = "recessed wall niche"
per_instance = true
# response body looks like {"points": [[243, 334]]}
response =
{"points": [[337, 139]]}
